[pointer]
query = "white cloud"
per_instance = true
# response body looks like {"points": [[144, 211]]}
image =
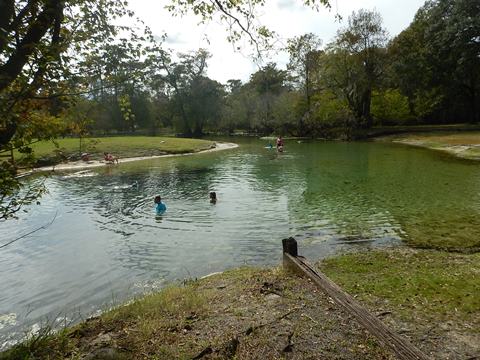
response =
{"points": [[288, 18]]}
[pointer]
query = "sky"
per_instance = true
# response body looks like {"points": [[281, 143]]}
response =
{"points": [[288, 18]]}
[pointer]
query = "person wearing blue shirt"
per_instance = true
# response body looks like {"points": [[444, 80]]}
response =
{"points": [[161, 207]]}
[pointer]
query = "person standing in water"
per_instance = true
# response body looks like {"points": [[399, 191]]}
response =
{"points": [[280, 144], [161, 207]]}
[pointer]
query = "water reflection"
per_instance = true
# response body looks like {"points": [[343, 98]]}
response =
{"points": [[108, 243]]}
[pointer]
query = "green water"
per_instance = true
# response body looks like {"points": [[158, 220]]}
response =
{"points": [[106, 243]]}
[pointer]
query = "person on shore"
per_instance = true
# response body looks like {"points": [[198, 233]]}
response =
{"points": [[213, 197], [280, 144], [160, 208], [109, 158]]}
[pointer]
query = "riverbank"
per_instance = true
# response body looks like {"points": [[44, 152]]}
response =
{"points": [[465, 145], [164, 148], [244, 313], [252, 313], [427, 295]]}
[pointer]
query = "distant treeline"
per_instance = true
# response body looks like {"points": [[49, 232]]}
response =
{"points": [[428, 74]]}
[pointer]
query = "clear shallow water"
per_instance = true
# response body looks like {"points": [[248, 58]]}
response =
{"points": [[106, 244]]}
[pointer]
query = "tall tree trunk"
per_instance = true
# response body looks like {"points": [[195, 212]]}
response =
{"points": [[366, 104], [36, 31]]}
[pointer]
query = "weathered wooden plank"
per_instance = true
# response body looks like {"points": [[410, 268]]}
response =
{"points": [[400, 346]]}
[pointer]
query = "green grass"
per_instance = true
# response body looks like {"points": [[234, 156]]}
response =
{"points": [[169, 308], [172, 300], [413, 283], [121, 146], [179, 322]]}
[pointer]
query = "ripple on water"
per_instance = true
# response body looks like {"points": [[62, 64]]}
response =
{"points": [[7, 320], [107, 244]]}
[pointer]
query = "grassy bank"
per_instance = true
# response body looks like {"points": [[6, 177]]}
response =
{"points": [[432, 296], [428, 296], [244, 314], [465, 145], [121, 146]]}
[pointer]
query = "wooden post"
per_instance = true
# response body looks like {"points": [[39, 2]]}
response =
{"points": [[400, 346], [290, 246]]}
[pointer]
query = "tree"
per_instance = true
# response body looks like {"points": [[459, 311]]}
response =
{"points": [[358, 54], [435, 61], [205, 102], [239, 107], [331, 116], [390, 107], [408, 60], [234, 85], [452, 41], [269, 82], [304, 53], [285, 113], [180, 76], [41, 42]]}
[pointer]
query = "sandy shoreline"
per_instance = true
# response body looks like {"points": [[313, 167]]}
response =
{"points": [[465, 151], [74, 165]]}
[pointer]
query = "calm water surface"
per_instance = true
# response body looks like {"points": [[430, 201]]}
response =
{"points": [[107, 245]]}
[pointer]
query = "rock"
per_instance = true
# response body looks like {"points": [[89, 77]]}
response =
{"points": [[272, 297], [192, 316], [101, 339]]}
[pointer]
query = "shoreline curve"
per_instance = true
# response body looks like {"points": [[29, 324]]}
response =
{"points": [[74, 165]]}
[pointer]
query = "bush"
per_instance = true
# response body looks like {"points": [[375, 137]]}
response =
{"points": [[390, 107]]}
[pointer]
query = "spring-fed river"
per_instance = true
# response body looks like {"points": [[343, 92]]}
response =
{"points": [[106, 243]]}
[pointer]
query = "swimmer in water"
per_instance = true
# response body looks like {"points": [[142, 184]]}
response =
{"points": [[161, 207], [213, 197]]}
